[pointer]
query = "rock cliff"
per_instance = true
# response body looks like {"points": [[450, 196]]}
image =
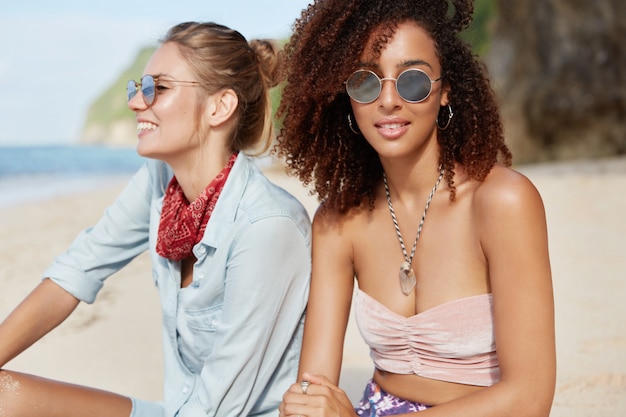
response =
{"points": [[559, 68]]}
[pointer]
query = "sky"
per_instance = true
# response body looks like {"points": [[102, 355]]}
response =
{"points": [[56, 57]]}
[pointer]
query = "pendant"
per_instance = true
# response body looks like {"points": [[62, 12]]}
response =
{"points": [[407, 278]]}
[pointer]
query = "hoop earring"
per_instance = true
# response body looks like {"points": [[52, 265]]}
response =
{"points": [[450, 114], [355, 131]]}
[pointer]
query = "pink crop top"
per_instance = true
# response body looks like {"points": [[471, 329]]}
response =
{"points": [[451, 342]]}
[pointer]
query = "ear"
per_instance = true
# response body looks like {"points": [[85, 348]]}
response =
{"points": [[222, 105], [445, 90], [444, 96]]}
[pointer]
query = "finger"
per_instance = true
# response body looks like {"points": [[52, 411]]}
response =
{"points": [[320, 380], [295, 388], [293, 410], [304, 386], [295, 396]]}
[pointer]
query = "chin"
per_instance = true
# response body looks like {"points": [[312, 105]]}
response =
{"points": [[141, 151], [147, 151]]}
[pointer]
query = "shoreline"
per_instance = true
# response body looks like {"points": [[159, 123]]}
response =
{"points": [[99, 345], [27, 189]]}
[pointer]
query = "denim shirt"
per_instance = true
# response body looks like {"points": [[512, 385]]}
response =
{"points": [[231, 338]]}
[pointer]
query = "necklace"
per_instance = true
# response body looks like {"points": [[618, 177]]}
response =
{"points": [[407, 276]]}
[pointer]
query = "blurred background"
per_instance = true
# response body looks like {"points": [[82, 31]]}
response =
{"points": [[558, 66]]}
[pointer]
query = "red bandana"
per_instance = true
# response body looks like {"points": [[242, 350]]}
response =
{"points": [[182, 224]]}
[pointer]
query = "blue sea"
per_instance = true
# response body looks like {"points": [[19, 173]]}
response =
{"points": [[31, 173]]}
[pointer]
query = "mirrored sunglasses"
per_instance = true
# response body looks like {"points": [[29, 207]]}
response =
{"points": [[413, 85], [148, 87]]}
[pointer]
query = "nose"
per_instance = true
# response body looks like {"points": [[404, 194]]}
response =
{"points": [[137, 103], [389, 97]]}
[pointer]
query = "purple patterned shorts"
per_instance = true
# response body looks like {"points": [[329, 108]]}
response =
{"points": [[377, 403]]}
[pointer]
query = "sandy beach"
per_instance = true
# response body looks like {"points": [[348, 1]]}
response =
{"points": [[115, 343]]}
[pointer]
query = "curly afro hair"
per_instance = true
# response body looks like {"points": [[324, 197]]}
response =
{"points": [[328, 40]]}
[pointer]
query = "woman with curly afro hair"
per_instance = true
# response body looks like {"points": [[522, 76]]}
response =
{"points": [[391, 119]]}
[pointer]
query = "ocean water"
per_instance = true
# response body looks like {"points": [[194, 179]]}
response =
{"points": [[32, 173]]}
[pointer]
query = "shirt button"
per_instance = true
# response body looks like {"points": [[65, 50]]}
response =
{"points": [[202, 250], [214, 322], [200, 275], [185, 390]]}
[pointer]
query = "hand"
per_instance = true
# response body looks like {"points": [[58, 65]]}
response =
{"points": [[322, 399]]}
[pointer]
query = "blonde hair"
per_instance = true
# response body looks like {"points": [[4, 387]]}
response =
{"points": [[222, 58]]}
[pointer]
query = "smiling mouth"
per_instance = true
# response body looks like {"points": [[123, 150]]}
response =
{"points": [[145, 126], [392, 126]]}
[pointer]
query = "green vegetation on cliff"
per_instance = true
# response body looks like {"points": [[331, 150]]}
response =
{"points": [[111, 105], [479, 32], [109, 109]]}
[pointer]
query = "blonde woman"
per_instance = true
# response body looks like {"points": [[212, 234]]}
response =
{"points": [[230, 250]]}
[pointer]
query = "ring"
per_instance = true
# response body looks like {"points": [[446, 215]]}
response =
{"points": [[305, 386]]}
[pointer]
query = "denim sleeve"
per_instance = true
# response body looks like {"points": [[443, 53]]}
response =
{"points": [[99, 251], [265, 296]]}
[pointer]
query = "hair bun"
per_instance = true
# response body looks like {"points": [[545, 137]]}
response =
{"points": [[269, 56]]}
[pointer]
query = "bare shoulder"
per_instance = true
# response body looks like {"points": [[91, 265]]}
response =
{"points": [[510, 221], [326, 222], [331, 222], [335, 235], [506, 190]]}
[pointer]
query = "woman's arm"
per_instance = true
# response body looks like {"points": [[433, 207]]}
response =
{"points": [[328, 309], [41, 311], [515, 242], [77, 274], [119, 236]]}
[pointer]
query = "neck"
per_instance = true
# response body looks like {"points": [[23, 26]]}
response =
{"points": [[196, 172], [408, 183]]}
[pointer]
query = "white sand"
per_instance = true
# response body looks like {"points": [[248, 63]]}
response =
{"points": [[115, 344]]}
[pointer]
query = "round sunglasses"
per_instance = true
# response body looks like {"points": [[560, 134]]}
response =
{"points": [[413, 85], [148, 87]]}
